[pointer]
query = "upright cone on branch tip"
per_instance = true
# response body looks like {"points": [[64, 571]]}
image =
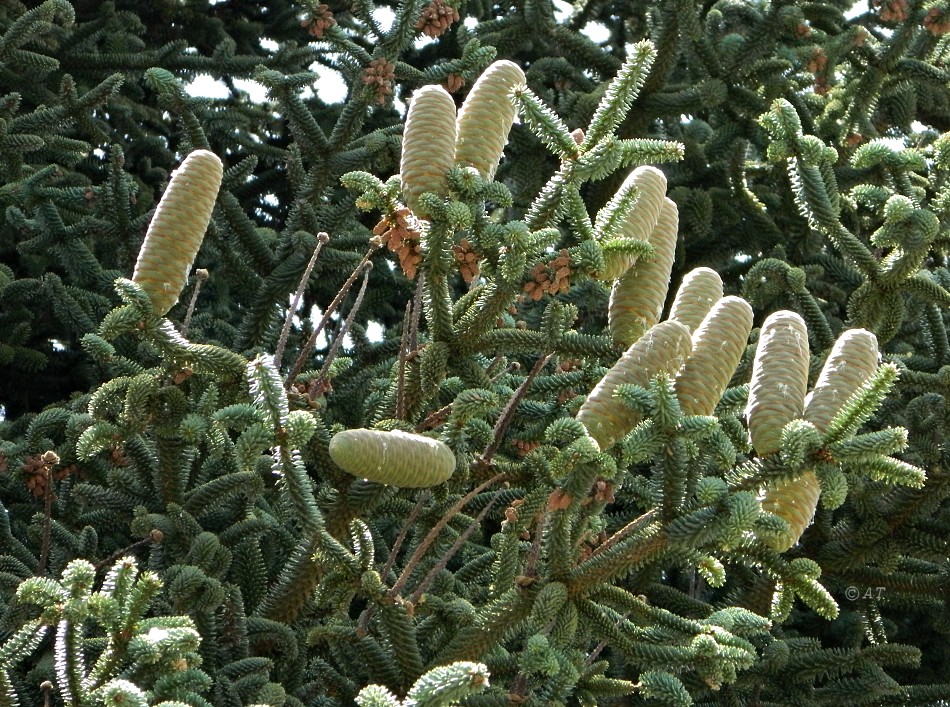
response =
{"points": [[852, 361], [718, 345], [776, 397], [428, 145], [779, 380], [699, 291], [177, 229], [639, 222], [486, 117], [795, 501], [662, 349], [637, 298]]}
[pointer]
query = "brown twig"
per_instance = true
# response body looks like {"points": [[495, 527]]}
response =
{"points": [[363, 625], [47, 520], [434, 533], [603, 644], [401, 370], [630, 528], [345, 326], [201, 275], [508, 414], [456, 546], [322, 239], [531, 562], [416, 313], [153, 537], [312, 341], [435, 419], [413, 514], [494, 363]]}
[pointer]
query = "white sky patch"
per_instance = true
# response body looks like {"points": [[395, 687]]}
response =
{"points": [[596, 32], [269, 44], [330, 85], [384, 17], [470, 22], [204, 86], [424, 40], [562, 10], [374, 332], [257, 93], [57, 345]]}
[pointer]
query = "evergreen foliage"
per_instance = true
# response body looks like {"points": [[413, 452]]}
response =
{"points": [[508, 406]]}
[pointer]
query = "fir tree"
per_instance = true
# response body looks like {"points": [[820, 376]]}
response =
{"points": [[591, 355]]}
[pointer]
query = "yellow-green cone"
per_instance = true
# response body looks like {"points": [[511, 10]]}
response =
{"points": [[486, 117], [428, 145], [650, 184], [660, 350], [779, 380], [699, 291], [395, 458], [853, 359], [177, 229], [718, 345], [636, 299]]}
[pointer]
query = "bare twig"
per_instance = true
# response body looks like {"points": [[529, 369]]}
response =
{"points": [[201, 275], [47, 520], [154, 537], [629, 529], [312, 341], [368, 612], [416, 313], [435, 418], [507, 415], [600, 646], [456, 546], [434, 533], [322, 239], [495, 362], [345, 326], [512, 367], [401, 371], [531, 562], [413, 514]]}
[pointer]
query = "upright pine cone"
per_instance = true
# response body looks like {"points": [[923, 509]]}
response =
{"points": [[637, 298], [699, 291], [718, 344], [661, 350], [428, 145], [779, 380], [853, 359], [486, 116], [650, 185], [177, 229], [776, 397]]}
